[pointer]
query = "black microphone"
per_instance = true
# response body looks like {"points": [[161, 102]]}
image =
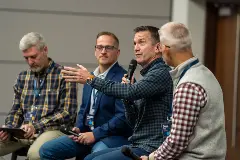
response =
{"points": [[131, 69], [128, 152]]}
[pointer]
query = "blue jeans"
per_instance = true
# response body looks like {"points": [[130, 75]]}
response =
{"points": [[64, 148], [99, 146], [115, 153]]}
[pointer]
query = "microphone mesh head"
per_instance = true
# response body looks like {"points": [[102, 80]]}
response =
{"points": [[126, 151], [133, 64]]}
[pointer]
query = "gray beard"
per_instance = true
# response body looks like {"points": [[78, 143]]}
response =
{"points": [[37, 70]]}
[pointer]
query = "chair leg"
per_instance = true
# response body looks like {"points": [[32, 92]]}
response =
{"points": [[14, 156]]}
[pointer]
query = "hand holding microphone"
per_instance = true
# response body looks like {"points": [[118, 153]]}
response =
{"points": [[131, 68], [129, 76], [125, 80]]}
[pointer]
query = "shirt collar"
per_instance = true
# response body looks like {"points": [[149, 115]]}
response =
{"points": [[145, 70], [104, 74], [176, 72]]}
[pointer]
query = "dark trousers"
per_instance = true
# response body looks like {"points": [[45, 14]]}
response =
{"points": [[115, 154]]}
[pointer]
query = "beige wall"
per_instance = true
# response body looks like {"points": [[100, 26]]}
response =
{"points": [[70, 28], [192, 13]]}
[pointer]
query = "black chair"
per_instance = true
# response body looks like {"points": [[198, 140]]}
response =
{"points": [[20, 152]]}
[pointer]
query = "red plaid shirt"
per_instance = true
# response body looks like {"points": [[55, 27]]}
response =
{"points": [[188, 100]]}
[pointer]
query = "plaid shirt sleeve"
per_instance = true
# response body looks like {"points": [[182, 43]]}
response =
{"points": [[188, 100], [15, 116], [67, 107], [155, 81]]}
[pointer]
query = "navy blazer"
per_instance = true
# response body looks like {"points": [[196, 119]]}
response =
{"points": [[110, 123]]}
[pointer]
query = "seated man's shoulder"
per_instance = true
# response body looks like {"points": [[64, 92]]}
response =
{"points": [[119, 74], [57, 67], [122, 70], [23, 74]]}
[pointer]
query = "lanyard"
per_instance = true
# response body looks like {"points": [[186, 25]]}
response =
{"points": [[93, 102], [90, 117], [187, 68], [36, 89]]}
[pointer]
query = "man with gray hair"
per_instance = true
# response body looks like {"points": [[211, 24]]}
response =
{"points": [[198, 127], [43, 100]]}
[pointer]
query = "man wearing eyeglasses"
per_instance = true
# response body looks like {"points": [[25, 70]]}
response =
{"points": [[101, 121], [148, 101]]}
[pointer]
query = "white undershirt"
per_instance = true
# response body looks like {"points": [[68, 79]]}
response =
{"points": [[94, 91]]}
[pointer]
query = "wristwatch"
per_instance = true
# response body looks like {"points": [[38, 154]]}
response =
{"points": [[90, 78]]}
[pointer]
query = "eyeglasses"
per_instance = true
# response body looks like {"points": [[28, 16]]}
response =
{"points": [[166, 46], [99, 48]]}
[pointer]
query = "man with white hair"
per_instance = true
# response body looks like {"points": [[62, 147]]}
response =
{"points": [[198, 127], [43, 100]]}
